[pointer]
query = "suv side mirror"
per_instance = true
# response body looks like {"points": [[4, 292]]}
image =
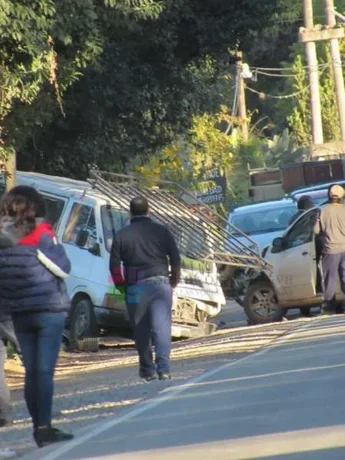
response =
{"points": [[82, 238], [278, 244]]}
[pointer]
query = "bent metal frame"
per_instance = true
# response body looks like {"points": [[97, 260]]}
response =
{"points": [[201, 233]]}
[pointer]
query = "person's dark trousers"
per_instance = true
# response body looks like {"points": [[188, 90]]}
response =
{"points": [[5, 399], [149, 305], [40, 338], [333, 267]]}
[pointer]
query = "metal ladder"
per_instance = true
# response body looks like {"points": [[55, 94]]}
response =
{"points": [[200, 232]]}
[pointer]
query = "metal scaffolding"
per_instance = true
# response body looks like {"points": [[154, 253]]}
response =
{"points": [[200, 232]]}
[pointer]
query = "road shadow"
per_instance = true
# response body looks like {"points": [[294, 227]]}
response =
{"points": [[286, 399]]}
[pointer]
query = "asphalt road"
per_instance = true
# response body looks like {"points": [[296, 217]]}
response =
{"points": [[285, 402]]}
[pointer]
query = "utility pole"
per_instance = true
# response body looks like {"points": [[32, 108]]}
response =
{"points": [[10, 174], [242, 109], [316, 120], [337, 70]]}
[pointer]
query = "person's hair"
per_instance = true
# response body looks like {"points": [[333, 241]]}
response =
{"points": [[24, 204], [139, 206], [305, 202]]}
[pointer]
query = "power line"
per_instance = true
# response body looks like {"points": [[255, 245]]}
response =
{"points": [[282, 69], [263, 95], [271, 96], [292, 21]]}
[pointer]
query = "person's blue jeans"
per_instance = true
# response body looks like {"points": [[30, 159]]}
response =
{"points": [[149, 305], [5, 399], [333, 267], [40, 338]]}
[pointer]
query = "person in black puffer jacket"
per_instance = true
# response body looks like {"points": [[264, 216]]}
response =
{"points": [[32, 291]]}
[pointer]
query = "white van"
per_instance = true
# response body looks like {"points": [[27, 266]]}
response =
{"points": [[83, 219]]}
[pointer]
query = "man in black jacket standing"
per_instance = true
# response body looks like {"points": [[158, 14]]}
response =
{"points": [[146, 250]]}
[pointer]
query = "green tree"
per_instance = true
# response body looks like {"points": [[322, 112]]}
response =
{"points": [[154, 74], [44, 47]]}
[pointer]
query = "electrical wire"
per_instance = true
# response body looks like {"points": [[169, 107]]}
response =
{"points": [[263, 95], [270, 96], [292, 75], [265, 70]]}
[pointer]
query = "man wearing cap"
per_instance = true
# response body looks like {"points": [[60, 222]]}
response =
{"points": [[331, 225]]}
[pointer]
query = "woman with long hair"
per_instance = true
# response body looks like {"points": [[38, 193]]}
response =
{"points": [[32, 268]]}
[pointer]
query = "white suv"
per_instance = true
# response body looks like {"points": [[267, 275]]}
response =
{"points": [[295, 280]]}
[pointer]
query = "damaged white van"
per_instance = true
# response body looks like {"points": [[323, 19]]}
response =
{"points": [[84, 220]]}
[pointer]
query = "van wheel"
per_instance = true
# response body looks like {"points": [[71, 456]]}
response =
{"points": [[83, 321], [260, 304]]}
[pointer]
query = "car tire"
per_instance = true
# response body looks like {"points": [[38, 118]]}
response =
{"points": [[83, 321], [260, 304]]}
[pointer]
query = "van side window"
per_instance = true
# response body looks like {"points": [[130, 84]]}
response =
{"points": [[82, 217], [54, 208]]}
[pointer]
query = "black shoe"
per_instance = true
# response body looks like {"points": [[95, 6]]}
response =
{"points": [[49, 435], [148, 378], [164, 376], [326, 311]]}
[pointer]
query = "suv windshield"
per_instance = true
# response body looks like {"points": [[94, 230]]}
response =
{"points": [[264, 220]]}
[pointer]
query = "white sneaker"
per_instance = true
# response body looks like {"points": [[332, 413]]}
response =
{"points": [[7, 453]]}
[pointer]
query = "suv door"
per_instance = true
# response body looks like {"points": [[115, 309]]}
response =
{"points": [[294, 267]]}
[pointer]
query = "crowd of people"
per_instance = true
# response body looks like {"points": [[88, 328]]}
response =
{"points": [[144, 257]]}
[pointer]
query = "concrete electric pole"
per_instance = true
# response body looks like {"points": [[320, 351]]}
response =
{"points": [[337, 69], [10, 168], [316, 120], [310, 35], [242, 109]]}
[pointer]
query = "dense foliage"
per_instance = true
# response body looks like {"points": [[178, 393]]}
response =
{"points": [[97, 83], [119, 83]]}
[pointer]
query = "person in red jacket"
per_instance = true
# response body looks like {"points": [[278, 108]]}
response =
{"points": [[32, 291]]}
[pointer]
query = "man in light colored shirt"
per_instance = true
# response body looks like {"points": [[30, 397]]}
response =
{"points": [[331, 225]]}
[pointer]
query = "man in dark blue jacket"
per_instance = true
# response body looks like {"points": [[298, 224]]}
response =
{"points": [[147, 249]]}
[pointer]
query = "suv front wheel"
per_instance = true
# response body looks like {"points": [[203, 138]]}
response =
{"points": [[261, 305]]}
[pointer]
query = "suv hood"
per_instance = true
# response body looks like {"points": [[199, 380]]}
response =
{"points": [[263, 239]]}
